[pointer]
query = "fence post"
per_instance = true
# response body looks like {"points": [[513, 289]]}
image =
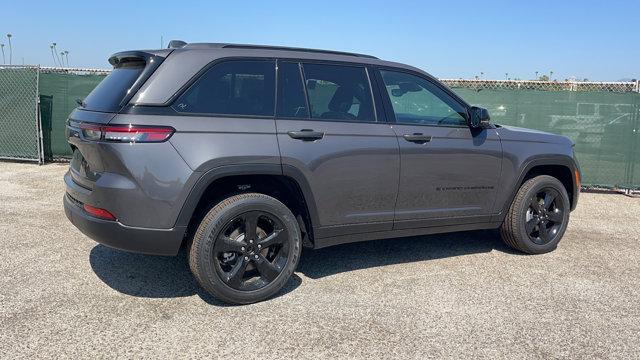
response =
{"points": [[38, 120]]}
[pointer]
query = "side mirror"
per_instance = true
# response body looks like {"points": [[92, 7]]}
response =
{"points": [[479, 117]]}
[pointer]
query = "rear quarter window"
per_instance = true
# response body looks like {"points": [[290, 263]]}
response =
{"points": [[233, 87]]}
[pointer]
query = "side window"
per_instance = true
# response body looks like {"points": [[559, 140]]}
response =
{"points": [[418, 101], [291, 100], [235, 87], [338, 92]]}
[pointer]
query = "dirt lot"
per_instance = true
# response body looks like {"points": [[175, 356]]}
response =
{"points": [[455, 295]]}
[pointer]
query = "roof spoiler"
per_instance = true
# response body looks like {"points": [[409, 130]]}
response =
{"points": [[144, 55], [176, 44]]}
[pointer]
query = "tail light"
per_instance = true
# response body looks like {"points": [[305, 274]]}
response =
{"points": [[126, 133]]}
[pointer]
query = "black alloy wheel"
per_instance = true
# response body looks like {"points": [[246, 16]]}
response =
{"points": [[250, 251], [545, 216], [538, 216], [246, 248]]}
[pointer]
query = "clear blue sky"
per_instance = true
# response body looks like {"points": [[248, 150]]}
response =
{"points": [[599, 40]]}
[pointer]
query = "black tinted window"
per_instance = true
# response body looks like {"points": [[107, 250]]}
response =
{"points": [[338, 92], [232, 88], [111, 91], [291, 100]]}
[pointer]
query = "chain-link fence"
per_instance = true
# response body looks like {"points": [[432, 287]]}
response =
{"points": [[34, 105], [19, 126], [543, 85], [603, 119]]}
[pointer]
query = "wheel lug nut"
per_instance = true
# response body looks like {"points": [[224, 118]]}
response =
{"points": [[246, 258], [256, 256], [242, 248], [251, 241], [259, 246]]}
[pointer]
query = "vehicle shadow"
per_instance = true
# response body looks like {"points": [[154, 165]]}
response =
{"points": [[168, 277], [154, 276], [319, 263]]}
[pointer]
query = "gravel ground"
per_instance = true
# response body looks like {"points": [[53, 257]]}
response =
{"points": [[455, 295]]}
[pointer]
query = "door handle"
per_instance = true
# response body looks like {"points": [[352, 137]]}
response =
{"points": [[306, 135], [418, 138]]}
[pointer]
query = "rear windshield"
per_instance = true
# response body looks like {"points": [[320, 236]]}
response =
{"points": [[106, 97]]}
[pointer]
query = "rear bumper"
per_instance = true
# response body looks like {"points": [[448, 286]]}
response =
{"points": [[116, 235]]}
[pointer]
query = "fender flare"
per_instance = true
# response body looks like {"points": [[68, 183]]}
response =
{"points": [[211, 175], [560, 160]]}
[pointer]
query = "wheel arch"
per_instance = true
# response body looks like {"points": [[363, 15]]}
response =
{"points": [[290, 187], [561, 167]]}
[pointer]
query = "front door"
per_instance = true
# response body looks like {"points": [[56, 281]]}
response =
{"points": [[329, 133], [449, 172]]}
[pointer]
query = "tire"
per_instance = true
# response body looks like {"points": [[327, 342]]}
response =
{"points": [[239, 265], [538, 216]]}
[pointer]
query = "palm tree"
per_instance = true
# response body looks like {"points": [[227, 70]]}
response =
{"points": [[62, 57], [52, 46], [2, 47], [55, 51], [66, 54], [506, 76], [536, 75], [550, 75], [10, 48]]}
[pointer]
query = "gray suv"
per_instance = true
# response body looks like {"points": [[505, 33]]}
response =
{"points": [[245, 154]]}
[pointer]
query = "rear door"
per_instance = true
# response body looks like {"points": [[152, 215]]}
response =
{"points": [[449, 172], [330, 136]]}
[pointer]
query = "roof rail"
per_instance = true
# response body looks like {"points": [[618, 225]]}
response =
{"points": [[269, 47], [286, 48]]}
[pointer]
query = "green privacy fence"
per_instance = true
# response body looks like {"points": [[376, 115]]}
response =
{"points": [[602, 118], [34, 105], [59, 89]]}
